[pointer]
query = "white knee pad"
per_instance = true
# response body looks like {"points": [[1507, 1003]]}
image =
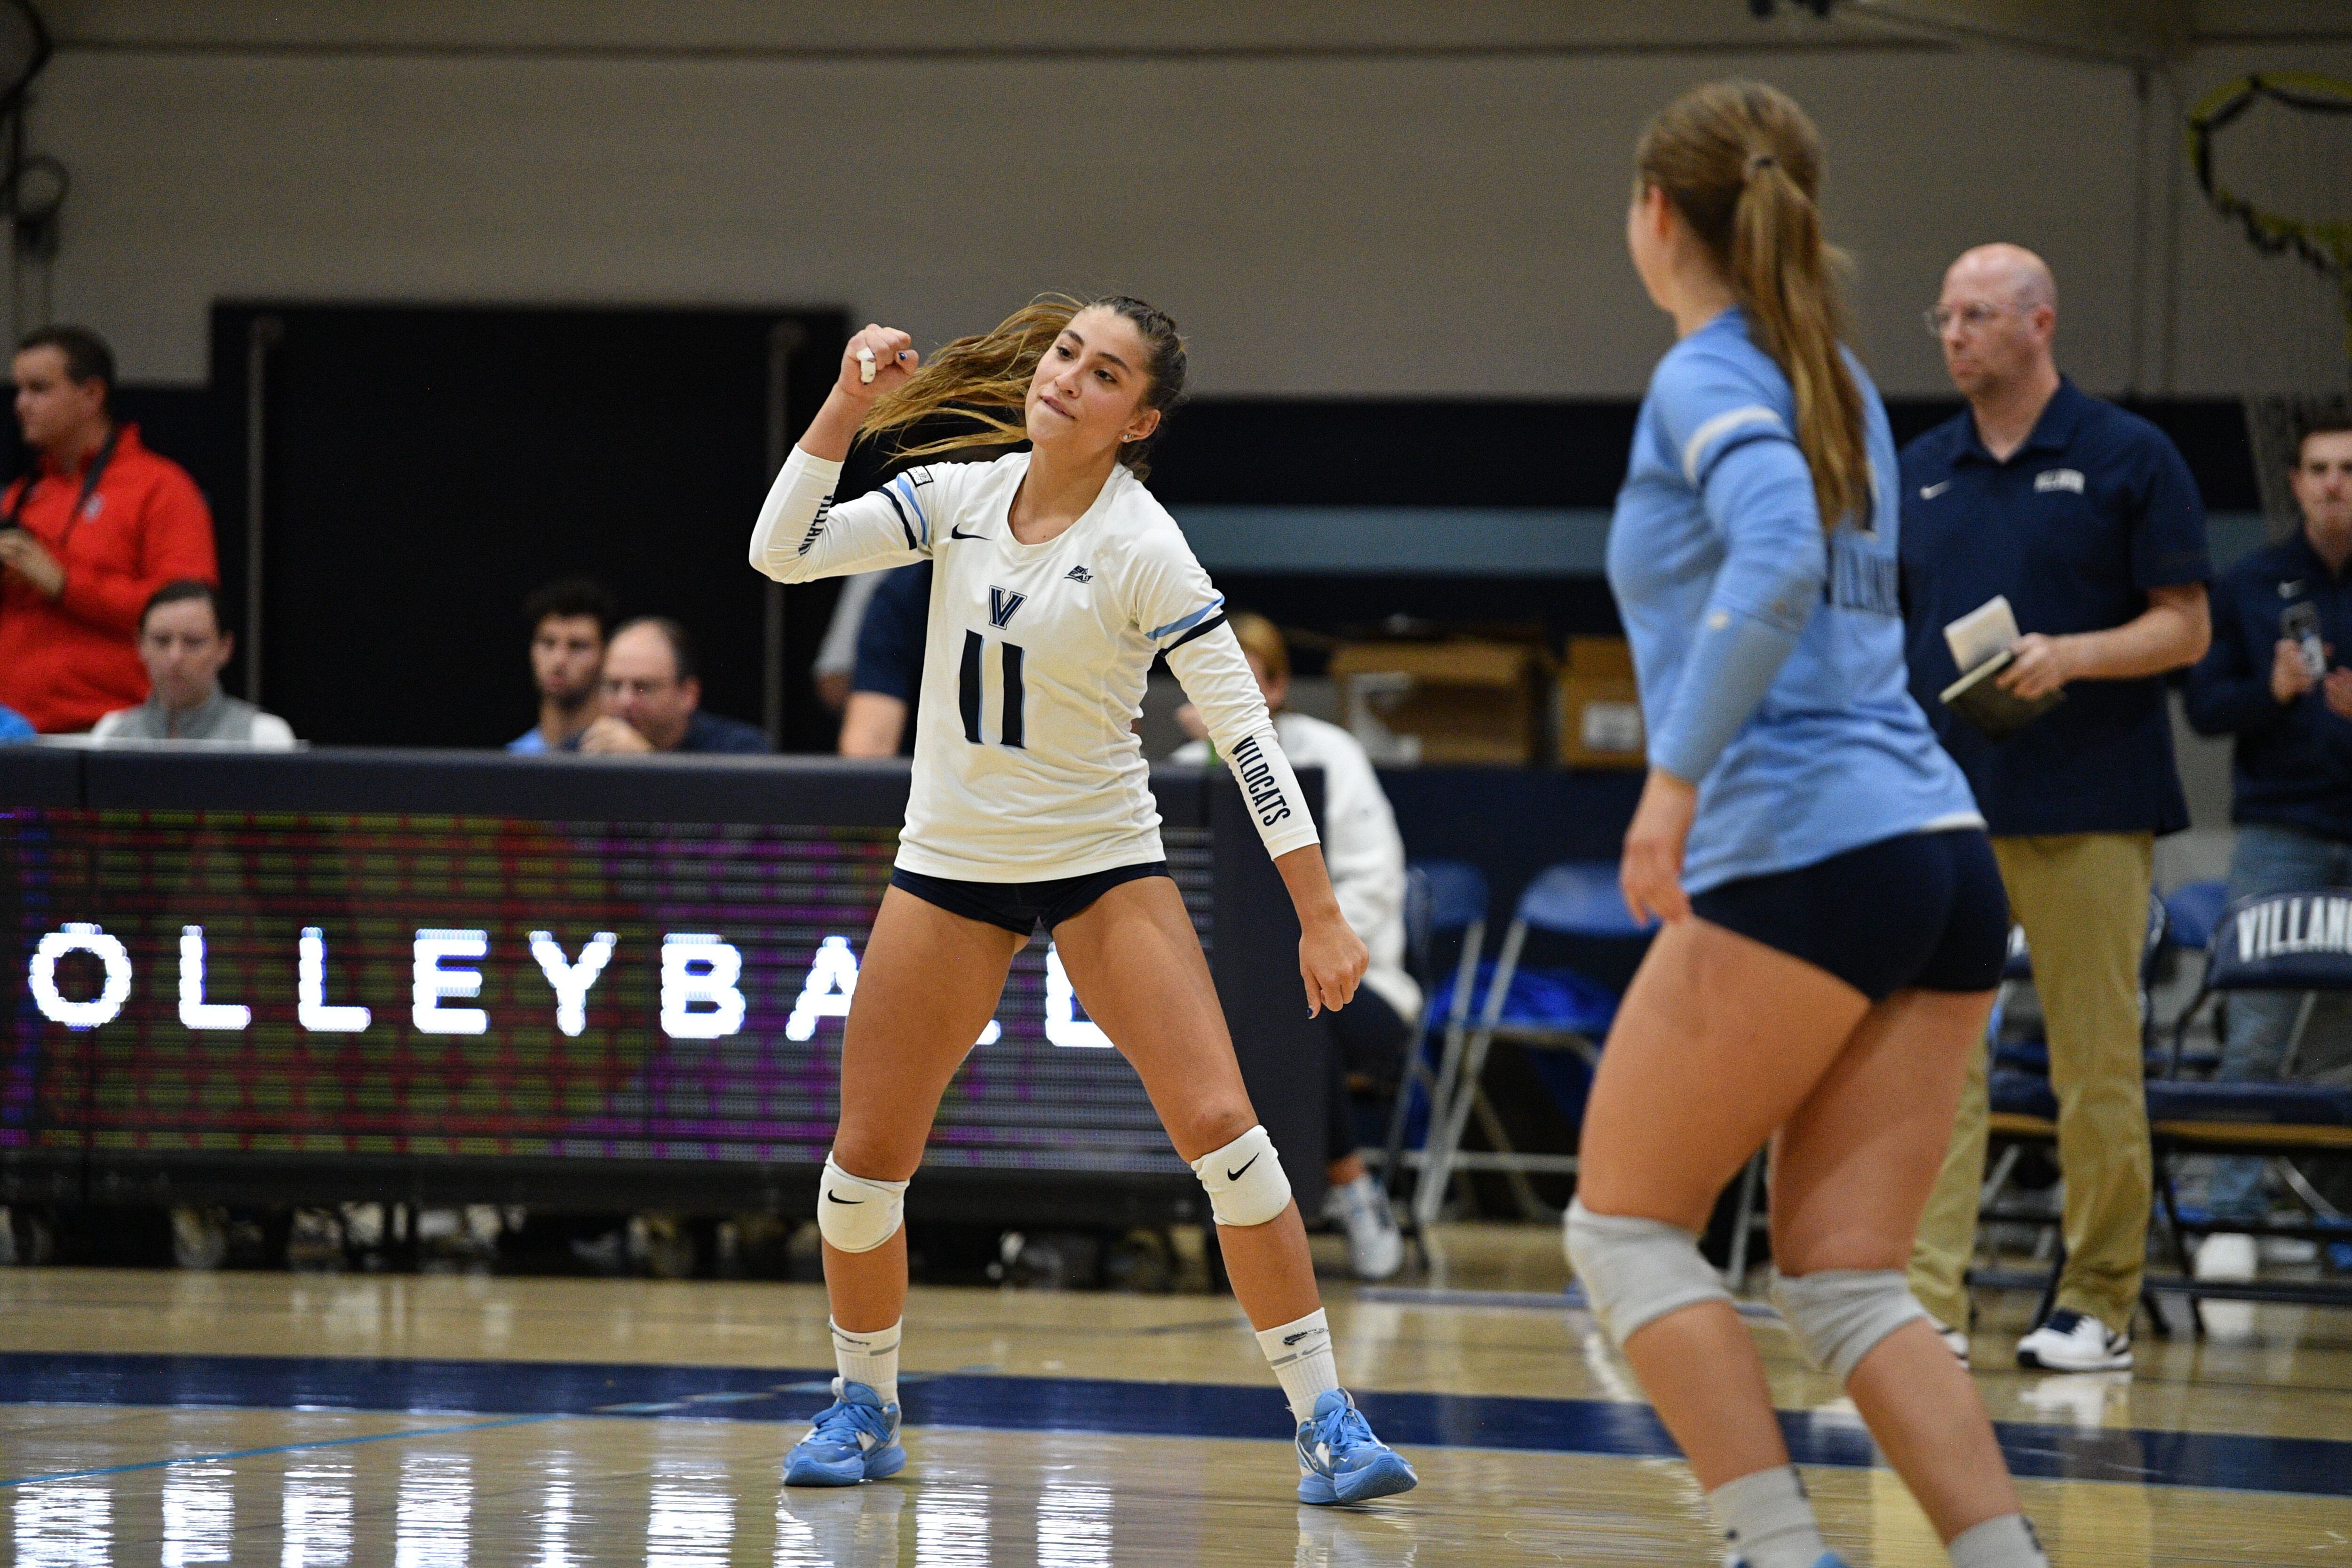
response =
{"points": [[855, 1215], [1244, 1179], [1635, 1271], [1838, 1315]]}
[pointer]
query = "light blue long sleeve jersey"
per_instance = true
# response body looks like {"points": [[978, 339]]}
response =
{"points": [[1770, 656]]}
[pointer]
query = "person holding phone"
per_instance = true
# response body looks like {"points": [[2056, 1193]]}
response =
{"points": [[2283, 618]]}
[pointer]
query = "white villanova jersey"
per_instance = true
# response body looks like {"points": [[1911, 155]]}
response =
{"points": [[1027, 766]]}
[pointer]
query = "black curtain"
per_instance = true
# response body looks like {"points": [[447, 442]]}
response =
{"points": [[425, 468]]}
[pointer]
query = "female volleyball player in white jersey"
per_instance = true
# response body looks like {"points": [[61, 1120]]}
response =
{"points": [[1833, 919], [1057, 581]]}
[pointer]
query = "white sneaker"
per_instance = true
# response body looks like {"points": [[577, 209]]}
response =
{"points": [[1375, 1250], [2227, 1256], [2075, 1342], [1955, 1339]]}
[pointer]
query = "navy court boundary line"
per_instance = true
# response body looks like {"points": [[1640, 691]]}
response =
{"points": [[2225, 1461]]}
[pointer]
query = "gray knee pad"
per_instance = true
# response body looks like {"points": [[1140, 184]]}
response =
{"points": [[1635, 1271], [1839, 1315]]}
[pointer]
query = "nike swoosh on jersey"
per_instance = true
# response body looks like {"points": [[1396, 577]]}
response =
{"points": [[1929, 492], [955, 533], [1236, 1175], [841, 1200]]}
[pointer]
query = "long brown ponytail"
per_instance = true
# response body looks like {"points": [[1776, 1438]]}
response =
{"points": [[984, 379], [1742, 164]]}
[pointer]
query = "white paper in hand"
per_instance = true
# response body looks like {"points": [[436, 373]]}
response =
{"points": [[1985, 632]]}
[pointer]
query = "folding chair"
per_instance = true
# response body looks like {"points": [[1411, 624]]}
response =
{"points": [[1442, 897], [1574, 899], [2280, 942]]}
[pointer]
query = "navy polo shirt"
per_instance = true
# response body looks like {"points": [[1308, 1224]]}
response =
{"points": [[890, 638], [2292, 764], [714, 733], [2095, 509]]}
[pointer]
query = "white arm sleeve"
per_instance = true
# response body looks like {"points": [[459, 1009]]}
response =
{"points": [[802, 535], [1216, 676]]}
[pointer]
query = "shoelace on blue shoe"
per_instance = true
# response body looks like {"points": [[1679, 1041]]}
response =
{"points": [[1343, 1429], [841, 1422]]}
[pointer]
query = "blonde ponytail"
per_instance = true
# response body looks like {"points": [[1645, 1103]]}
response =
{"points": [[1741, 163]]}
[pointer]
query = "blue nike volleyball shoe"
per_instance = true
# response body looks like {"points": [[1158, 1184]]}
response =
{"points": [[1340, 1461], [853, 1439]]}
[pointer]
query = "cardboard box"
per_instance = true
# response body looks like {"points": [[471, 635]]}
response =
{"points": [[1462, 701], [1600, 708]]}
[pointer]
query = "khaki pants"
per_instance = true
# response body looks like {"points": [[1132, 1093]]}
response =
{"points": [[2082, 901]]}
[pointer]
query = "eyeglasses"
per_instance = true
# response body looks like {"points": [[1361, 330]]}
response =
{"points": [[1940, 318]]}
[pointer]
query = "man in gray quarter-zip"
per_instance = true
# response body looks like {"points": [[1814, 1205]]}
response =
{"points": [[185, 648]]}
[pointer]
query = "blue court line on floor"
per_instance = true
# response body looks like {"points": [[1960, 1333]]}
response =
{"points": [[2315, 1467]]}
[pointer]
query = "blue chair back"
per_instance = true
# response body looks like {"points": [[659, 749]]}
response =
{"points": [[1457, 893], [2283, 941], [1579, 897], [2195, 909]]}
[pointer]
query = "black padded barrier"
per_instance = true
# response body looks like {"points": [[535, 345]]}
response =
{"points": [[376, 850]]}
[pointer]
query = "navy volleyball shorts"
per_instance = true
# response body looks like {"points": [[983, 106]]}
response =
{"points": [[1019, 906], [1923, 911]]}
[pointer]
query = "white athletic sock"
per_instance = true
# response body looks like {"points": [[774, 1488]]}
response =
{"points": [[870, 1358], [1767, 1521], [2008, 1542], [1300, 1355]]}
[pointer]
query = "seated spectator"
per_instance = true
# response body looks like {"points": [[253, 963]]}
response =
{"points": [[653, 697], [85, 539], [888, 679], [568, 623], [2293, 767], [15, 726], [1366, 856], [185, 648]]}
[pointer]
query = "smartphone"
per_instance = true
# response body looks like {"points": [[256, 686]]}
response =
{"points": [[2299, 624]]}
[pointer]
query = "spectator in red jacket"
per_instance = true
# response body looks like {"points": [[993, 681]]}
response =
{"points": [[85, 539]]}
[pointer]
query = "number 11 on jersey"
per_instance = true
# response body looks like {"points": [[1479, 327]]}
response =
{"points": [[1009, 728]]}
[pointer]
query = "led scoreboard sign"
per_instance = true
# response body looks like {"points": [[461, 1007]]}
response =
{"points": [[241, 983]]}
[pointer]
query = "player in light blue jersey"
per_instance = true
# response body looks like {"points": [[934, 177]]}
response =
{"points": [[1835, 923]]}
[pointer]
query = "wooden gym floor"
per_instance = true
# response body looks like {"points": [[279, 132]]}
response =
{"points": [[425, 1420]]}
